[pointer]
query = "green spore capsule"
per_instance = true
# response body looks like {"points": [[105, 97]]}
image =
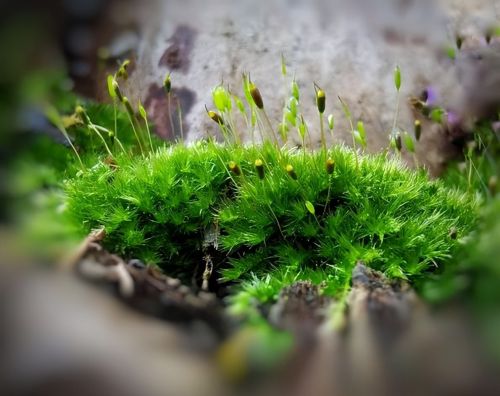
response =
{"points": [[397, 77], [291, 172]]}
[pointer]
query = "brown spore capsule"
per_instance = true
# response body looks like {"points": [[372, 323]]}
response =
{"points": [[167, 84], [259, 167], [233, 167], [418, 129], [330, 166], [321, 100], [215, 117], [256, 96], [399, 144]]}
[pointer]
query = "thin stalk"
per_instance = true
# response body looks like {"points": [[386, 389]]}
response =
{"points": [[65, 133], [270, 126], [169, 105], [108, 131], [136, 134], [179, 115], [92, 126], [149, 134], [328, 193], [322, 129], [116, 120]]}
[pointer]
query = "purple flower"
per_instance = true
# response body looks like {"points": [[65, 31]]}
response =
{"points": [[431, 96], [452, 118]]}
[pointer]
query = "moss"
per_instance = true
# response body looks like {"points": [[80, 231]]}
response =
{"points": [[276, 230]]}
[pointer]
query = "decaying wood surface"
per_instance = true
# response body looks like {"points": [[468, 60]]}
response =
{"points": [[66, 333]]}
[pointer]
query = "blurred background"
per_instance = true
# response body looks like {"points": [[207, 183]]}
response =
{"points": [[59, 334]]}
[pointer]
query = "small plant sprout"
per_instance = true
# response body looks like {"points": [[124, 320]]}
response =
{"points": [[295, 90], [409, 143], [122, 70], [283, 65], [217, 118], [80, 111], [223, 102], [321, 104], [331, 123], [283, 129], [167, 88], [303, 130], [360, 134], [259, 167], [395, 139], [330, 168], [55, 118], [113, 95], [259, 103], [347, 113], [144, 116], [131, 116], [397, 78]]}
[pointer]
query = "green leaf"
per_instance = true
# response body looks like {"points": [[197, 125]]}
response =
{"points": [[310, 207]]}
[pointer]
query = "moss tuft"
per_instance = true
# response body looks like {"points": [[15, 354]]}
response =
{"points": [[272, 229]]}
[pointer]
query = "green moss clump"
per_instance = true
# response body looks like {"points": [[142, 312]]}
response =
{"points": [[274, 230]]}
